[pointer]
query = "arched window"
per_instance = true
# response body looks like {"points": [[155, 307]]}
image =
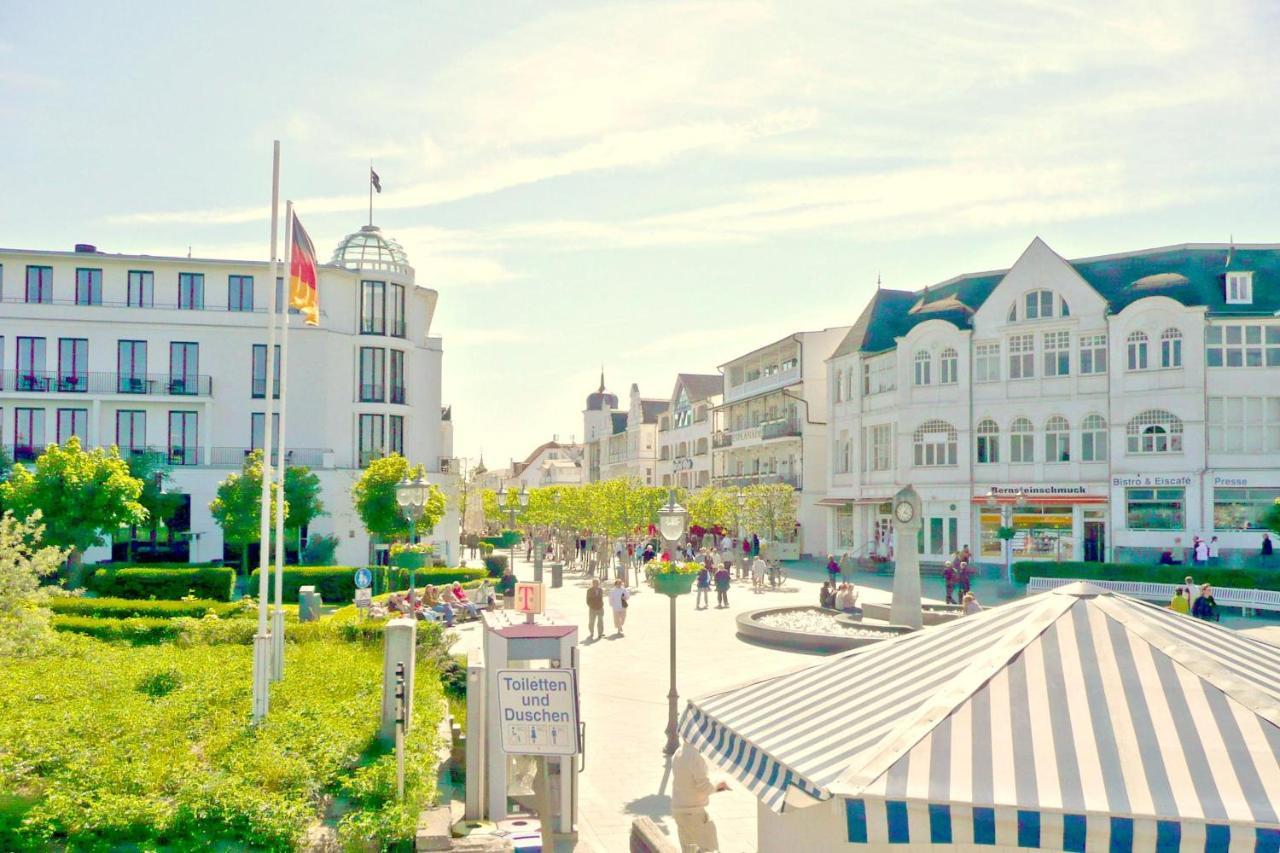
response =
{"points": [[935, 444], [1155, 431], [924, 362], [839, 391], [1022, 441], [988, 441], [1043, 304], [1138, 351], [1171, 348], [1093, 439], [1057, 440], [948, 372]]}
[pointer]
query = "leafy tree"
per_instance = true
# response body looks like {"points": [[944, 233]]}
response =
{"points": [[238, 507], [713, 507], [301, 497], [159, 502], [374, 495], [771, 508], [80, 494], [1272, 518], [24, 623]]}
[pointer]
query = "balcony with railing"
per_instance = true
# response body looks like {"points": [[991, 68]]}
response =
{"points": [[780, 429], [60, 382], [233, 457], [722, 439], [735, 480]]}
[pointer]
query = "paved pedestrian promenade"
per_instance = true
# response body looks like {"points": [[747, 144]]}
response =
{"points": [[624, 685]]}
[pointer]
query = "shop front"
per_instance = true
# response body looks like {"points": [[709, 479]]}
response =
{"points": [[1061, 523]]}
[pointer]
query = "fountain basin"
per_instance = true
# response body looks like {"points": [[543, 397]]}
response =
{"points": [[931, 614], [812, 629]]}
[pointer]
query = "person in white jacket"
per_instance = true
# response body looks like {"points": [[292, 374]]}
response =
{"points": [[691, 790], [618, 597]]}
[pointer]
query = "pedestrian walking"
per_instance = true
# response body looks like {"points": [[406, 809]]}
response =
{"points": [[1200, 551], [755, 545], [949, 581], [1206, 606], [703, 584], [744, 566], [722, 586], [691, 790], [1267, 549], [757, 574], [833, 570], [964, 580], [595, 611], [1179, 604], [1215, 551], [618, 598]]}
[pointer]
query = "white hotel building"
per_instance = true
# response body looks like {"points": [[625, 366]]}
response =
{"points": [[772, 426], [168, 356], [684, 431], [1132, 399]]}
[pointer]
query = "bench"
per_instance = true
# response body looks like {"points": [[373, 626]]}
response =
{"points": [[1248, 599]]}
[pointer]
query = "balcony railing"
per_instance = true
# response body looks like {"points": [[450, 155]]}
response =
{"points": [[233, 457], [722, 439], [49, 381], [792, 480], [779, 429], [219, 307]]}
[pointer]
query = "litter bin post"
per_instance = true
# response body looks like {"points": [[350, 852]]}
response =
{"points": [[557, 575], [309, 602], [398, 644]]}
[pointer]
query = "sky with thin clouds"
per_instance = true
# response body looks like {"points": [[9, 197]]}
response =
{"points": [[651, 187]]}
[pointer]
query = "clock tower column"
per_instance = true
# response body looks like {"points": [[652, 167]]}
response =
{"points": [[905, 609]]}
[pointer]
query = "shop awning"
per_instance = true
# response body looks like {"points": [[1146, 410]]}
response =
{"points": [[835, 502], [1066, 717]]}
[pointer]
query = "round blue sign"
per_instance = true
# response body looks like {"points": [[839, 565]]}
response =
{"points": [[364, 578]]}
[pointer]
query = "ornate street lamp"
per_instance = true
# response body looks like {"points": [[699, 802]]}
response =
{"points": [[673, 522], [412, 496], [523, 498]]}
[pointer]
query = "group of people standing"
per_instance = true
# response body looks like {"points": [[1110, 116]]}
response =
{"points": [[957, 576], [1204, 606]]}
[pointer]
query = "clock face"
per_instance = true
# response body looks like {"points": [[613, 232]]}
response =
{"points": [[904, 511]]}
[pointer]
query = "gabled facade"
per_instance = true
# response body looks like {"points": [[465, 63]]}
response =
{"points": [[620, 443], [552, 463], [684, 431], [1108, 408]]}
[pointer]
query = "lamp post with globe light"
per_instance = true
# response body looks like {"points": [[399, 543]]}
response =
{"points": [[522, 497], [673, 523], [412, 496]]}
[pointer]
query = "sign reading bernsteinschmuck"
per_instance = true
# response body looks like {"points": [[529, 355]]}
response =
{"points": [[538, 711]]}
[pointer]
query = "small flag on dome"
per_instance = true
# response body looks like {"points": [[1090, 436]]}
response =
{"points": [[304, 291], [375, 180]]}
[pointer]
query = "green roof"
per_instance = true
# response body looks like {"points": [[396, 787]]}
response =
{"points": [[1190, 274]]}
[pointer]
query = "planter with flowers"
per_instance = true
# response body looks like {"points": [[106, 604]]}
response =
{"points": [[672, 578], [415, 556]]}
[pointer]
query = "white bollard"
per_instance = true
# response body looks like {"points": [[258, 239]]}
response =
{"points": [[399, 641]]}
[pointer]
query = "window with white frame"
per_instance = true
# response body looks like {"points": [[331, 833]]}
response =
{"points": [[1239, 288], [1244, 424], [877, 447], [878, 375], [935, 444], [1093, 439], [1154, 431], [1171, 348], [1041, 305], [924, 363], [948, 367], [1057, 353], [1057, 440], [988, 445], [986, 362], [1137, 345], [1242, 346], [1022, 441], [1093, 354], [1022, 357]]}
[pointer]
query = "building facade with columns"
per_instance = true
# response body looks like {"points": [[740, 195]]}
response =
{"points": [[168, 357], [684, 431], [1106, 408], [771, 425]]}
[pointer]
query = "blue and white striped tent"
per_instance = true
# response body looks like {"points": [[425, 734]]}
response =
{"points": [[1072, 720]]}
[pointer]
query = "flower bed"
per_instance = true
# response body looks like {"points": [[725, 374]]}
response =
{"points": [[812, 629], [815, 622]]}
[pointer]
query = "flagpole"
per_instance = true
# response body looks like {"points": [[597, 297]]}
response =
{"points": [[277, 620], [370, 179], [262, 640]]}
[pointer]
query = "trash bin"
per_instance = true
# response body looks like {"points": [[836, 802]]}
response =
{"points": [[557, 575], [537, 565], [309, 602]]}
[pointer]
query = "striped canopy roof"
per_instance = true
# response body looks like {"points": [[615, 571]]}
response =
{"points": [[1076, 707]]}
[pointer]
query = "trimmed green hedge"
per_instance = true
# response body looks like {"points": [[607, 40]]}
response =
{"points": [[213, 583], [506, 539], [1239, 578], [141, 629], [337, 584], [125, 608]]}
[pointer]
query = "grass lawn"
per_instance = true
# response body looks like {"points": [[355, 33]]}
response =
{"points": [[115, 745]]}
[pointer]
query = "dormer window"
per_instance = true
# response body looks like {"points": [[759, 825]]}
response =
{"points": [[1239, 288], [1039, 305]]}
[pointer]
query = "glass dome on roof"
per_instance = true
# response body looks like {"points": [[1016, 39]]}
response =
{"points": [[369, 249]]}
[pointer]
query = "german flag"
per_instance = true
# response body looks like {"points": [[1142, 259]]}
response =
{"points": [[304, 292]]}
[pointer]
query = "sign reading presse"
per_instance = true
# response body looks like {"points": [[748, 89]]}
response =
{"points": [[539, 711]]}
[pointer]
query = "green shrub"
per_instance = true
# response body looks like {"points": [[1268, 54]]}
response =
{"points": [[124, 608], [172, 583], [1240, 578], [337, 584], [496, 566], [137, 630], [486, 548], [319, 551]]}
